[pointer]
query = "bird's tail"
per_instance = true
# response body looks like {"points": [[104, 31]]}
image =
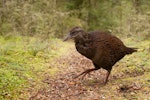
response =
{"points": [[131, 50]]}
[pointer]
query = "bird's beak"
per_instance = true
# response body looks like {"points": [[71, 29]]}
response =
{"points": [[67, 37]]}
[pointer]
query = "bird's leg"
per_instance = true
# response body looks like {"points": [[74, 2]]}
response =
{"points": [[86, 72], [107, 75], [85, 75]]}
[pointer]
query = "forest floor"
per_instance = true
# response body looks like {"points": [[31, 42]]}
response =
{"points": [[129, 80], [44, 69]]}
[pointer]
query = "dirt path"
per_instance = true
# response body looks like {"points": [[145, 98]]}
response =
{"points": [[64, 87]]}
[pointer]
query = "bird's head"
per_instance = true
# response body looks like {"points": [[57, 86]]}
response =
{"points": [[75, 33]]}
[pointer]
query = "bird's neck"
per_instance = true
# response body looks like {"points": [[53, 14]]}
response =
{"points": [[81, 39]]}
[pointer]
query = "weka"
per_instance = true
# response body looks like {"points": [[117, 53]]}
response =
{"points": [[102, 48]]}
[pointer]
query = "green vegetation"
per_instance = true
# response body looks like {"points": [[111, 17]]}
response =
{"points": [[31, 33], [53, 17], [24, 62]]}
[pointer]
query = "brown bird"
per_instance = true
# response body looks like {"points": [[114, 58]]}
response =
{"points": [[102, 48]]}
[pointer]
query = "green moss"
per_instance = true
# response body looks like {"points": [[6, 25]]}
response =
{"points": [[23, 61]]}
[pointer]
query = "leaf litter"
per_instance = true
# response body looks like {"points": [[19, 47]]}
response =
{"points": [[63, 86]]}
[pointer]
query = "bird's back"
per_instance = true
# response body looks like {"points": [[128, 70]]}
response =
{"points": [[108, 49]]}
